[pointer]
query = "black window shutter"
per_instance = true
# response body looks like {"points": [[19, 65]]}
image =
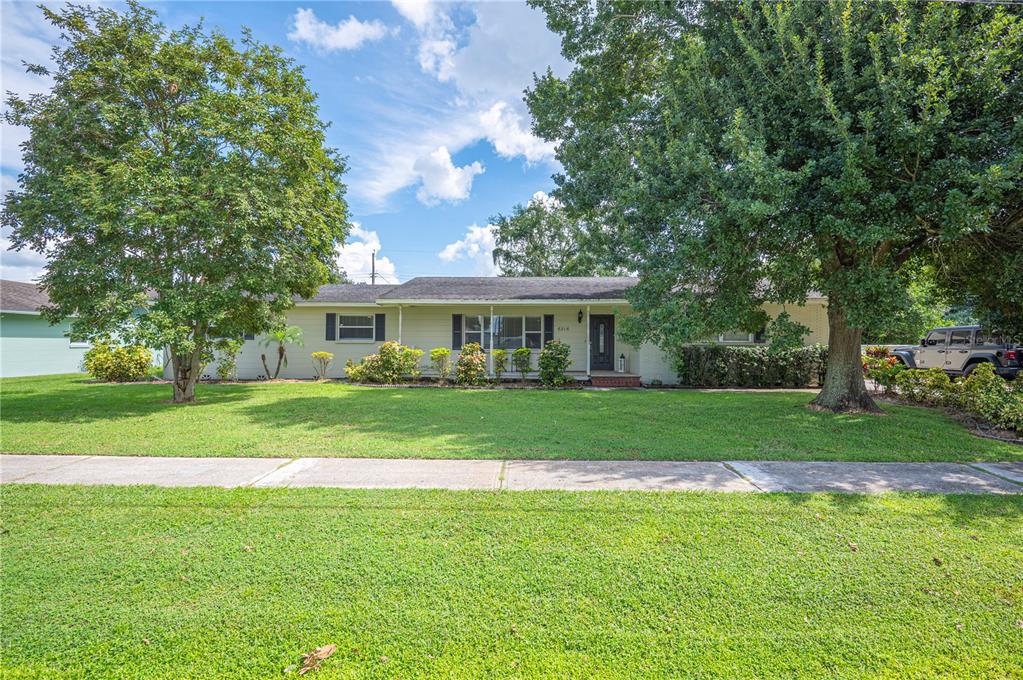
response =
{"points": [[548, 328], [378, 332], [332, 326], [456, 331]]}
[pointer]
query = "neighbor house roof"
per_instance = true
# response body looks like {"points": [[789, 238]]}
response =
{"points": [[511, 288], [348, 292], [16, 296]]}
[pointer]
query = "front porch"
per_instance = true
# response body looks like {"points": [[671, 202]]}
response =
{"points": [[614, 379]]}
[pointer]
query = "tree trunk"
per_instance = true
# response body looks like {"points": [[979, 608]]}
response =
{"points": [[280, 358], [844, 388], [186, 374]]}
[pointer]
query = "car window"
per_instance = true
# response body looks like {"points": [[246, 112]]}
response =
{"points": [[936, 338], [960, 338], [986, 338]]}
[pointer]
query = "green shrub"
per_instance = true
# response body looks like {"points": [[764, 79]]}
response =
{"points": [[321, 362], [982, 393], [881, 367], [227, 359], [500, 357], [522, 360], [745, 366], [393, 364], [471, 368], [554, 361], [118, 364], [440, 358]]}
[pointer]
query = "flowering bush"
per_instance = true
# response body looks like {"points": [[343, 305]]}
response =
{"points": [[118, 364], [554, 360], [522, 360], [440, 358], [982, 393], [393, 364], [321, 362], [880, 366], [471, 368]]}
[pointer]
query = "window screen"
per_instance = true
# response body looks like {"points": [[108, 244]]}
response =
{"points": [[355, 327]]}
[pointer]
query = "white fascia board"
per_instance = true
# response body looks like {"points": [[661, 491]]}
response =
{"points": [[19, 311], [504, 303]]}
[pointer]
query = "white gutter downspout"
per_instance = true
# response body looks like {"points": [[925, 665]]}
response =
{"points": [[399, 324], [491, 340], [588, 341]]}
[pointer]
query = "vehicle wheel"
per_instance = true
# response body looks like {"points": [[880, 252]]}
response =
{"points": [[969, 369]]}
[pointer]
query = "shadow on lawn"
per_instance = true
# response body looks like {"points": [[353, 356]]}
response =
{"points": [[99, 401]]}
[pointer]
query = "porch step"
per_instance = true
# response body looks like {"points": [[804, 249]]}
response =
{"points": [[615, 380]]}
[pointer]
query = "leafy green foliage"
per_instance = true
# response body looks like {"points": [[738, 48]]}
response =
{"points": [[227, 359], [178, 183], [744, 366], [752, 152], [522, 360], [391, 365], [64, 414], [880, 366], [113, 363], [500, 359], [555, 358], [321, 363], [440, 359], [783, 333], [983, 393], [471, 367], [541, 239], [280, 337]]}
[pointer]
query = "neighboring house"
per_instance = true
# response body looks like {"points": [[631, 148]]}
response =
{"points": [[28, 344], [351, 320]]}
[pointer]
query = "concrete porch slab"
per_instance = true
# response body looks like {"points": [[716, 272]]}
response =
{"points": [[871, 477], [387, 473], [632, 475], [224, 472]]}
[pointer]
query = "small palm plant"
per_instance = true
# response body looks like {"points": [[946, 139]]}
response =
{"points": [[281, 336]]}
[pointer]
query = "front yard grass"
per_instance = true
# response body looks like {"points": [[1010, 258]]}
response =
{"points": [[68, 414], [200, 583]]}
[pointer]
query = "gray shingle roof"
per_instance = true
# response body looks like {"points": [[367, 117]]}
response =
{"points": [[16, 296], [347, 292], [512, 288]]}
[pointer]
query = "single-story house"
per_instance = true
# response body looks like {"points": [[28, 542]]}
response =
{"points": [[29, 345], [352, 320]]}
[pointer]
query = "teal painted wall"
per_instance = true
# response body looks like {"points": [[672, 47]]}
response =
{"points": [[30, 346]]}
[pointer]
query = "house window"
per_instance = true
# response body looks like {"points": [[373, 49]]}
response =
{"points": [[735, 336], [355, 327], [78, 343], [510, 332]]}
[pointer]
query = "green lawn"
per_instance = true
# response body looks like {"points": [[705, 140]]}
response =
{"points": [[143, 582], [67, 414]]}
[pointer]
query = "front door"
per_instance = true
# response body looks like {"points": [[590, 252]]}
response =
{"points": [[602, 342]]}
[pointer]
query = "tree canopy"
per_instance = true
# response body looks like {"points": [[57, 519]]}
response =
{"points": [[178, 184], [541, 239], [752, 152]]}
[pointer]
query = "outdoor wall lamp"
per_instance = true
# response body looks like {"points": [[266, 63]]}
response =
{"points": [[580, 317]]}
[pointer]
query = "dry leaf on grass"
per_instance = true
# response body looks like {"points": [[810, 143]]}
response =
{"points": [[853, 546], [312, 660], [937, 561]]}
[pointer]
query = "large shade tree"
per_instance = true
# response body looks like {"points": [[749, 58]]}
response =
{"points": [[542, 239], [752, 152], [178, 183]]}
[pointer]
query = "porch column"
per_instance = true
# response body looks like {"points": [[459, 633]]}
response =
{"points": [[399, 324], [490, 354], [588, 341]]}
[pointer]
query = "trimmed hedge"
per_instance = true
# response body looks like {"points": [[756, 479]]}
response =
{"points": [[746, 366], [982, 393], [393, 364], [112, 363]]}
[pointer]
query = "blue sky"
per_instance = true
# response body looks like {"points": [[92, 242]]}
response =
{"points": [[424, 98]]}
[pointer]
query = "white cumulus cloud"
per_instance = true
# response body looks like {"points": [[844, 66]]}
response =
{"points": [[347, 34], [442, 180], [355, 257], [476, 246], [507, 130], [420, 12]]}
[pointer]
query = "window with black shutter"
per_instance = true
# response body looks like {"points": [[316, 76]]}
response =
{"points": [[331, 326], [380, 320], [548, 328], [456, 331]]}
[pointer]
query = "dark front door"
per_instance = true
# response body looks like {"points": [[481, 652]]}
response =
{"points": [[602, 342]]}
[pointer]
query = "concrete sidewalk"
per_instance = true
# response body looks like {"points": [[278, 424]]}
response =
{"points": [[518, 475]]}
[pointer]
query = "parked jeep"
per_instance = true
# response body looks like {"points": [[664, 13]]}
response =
{"points": [[960, 349]]}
